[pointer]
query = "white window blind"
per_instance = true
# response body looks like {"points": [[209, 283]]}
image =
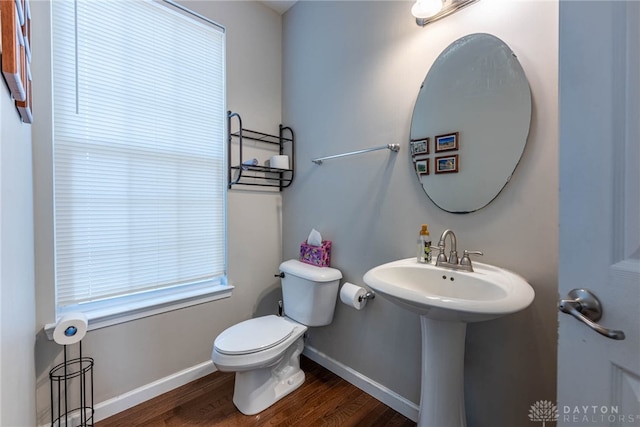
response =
{"points": [[139, 108]]}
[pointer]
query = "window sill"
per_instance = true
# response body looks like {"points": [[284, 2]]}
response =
{"points": [[104, 315]]}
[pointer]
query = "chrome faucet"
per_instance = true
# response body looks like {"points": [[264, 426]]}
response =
{"points": [[453, 254], [452, 261]]}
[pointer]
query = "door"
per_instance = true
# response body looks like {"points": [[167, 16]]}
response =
{"points": [[599, 247]]}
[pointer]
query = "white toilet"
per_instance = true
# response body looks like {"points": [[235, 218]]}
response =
{"points": [[264, 352]]}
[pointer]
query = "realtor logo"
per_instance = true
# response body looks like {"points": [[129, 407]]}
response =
{"points": [[543, 411]]}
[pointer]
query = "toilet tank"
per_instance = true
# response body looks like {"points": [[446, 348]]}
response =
{"points": [[309, 293]]}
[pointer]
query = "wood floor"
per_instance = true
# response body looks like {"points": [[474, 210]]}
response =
{"points": [[323, 400]]}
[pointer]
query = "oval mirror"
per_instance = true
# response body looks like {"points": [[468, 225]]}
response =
{"points": [[470, 123]]}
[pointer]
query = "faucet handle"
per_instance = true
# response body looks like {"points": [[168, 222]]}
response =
{"points": [[466, 260], [441, 257], [466, 253]]}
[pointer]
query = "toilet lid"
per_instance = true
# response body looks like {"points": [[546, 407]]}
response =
{"points": [[253, 335]]}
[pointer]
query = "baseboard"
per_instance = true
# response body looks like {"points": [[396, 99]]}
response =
{"points": [[378, 391], [139, 395]]}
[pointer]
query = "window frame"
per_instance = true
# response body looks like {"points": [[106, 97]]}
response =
{"points": [[112, 311]]}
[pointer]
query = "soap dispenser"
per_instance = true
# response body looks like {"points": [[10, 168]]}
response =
{"points": [[424, 245]]}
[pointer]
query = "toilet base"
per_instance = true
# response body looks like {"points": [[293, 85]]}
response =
{"points": [[257, 389]]}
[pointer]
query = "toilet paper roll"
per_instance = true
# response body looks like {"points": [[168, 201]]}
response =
{"points": [[279, 162], [352, 295], [70, 329]]}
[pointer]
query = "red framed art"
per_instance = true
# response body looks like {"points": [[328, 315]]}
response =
{"points": [[15, 29]]}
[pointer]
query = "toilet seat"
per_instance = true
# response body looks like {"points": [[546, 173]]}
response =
{"points": [[254, 335]]}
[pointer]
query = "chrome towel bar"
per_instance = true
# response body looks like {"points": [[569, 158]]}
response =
{"points": [[392, 147]]}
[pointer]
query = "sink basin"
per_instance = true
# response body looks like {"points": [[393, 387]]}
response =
{"points": [[446, 301], [452, 295]]}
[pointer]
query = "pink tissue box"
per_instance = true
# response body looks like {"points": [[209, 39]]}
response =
{"points": [[316, 255]]}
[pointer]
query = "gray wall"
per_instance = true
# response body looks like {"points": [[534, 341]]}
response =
{"points": [[345, 76], [17, 294], [137, 353], [351, 75]]}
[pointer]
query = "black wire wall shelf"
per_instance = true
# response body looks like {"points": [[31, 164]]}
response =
{"points": [[256, 175]]}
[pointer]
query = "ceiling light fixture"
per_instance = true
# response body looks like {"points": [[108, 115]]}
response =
{"points": [[426, 8], [427, 11]]}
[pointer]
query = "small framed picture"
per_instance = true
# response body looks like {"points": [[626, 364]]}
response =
{"points": [[12, 49], [419, 146], [448, 142], [422, 167], [447, 164]]}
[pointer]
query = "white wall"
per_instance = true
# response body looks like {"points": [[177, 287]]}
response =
{"points": [[351, 75], [134, 354], [17, 301]]}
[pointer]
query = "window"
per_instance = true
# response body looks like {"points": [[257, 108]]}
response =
{"points": [[138, 151]]}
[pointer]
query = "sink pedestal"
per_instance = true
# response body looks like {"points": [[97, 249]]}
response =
{"points": [[442, 387], [446, 300]]}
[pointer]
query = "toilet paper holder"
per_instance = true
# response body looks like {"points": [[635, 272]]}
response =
{"points": [[369, 295]]}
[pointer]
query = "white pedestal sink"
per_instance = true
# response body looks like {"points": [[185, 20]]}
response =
{"points": [[446, 301]]}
